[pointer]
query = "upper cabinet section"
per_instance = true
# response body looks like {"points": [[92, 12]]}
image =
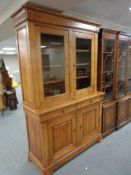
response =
{"points": [[107, 63], [62, 56], [114, 70]]}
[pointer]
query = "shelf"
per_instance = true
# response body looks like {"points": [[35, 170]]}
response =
{"points": [[108, 85], [121, 67], [79, 51], [53, 66], [82, 77], [83, 64], [53, 82], [108, 52]]}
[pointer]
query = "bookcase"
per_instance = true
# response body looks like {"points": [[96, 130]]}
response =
{"points": [[58, 63], [114, 78]]}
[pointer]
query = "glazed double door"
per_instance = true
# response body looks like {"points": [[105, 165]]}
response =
{"points": [[66, 64]]}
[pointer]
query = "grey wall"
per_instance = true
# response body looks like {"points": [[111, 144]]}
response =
{"points": [[11, 61]]}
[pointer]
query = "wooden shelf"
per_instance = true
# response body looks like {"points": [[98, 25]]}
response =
{"points": [[79, 51], [83, 64], [120, 67], [82, 77], [53, 66], [53, 82], [108, 52]]}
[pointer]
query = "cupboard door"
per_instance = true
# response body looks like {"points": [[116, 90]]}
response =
{"points": [[122, 109], [61, 135], [129, 68], [108, 68], [84, 59], [53, 51], [129, 109], [88, 120], [109, 118], [122, 68]]}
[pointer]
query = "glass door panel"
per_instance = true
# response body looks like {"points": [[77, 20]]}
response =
{"points": [[53, 64], [122, 69], [83, 63], [108, 66], [129, 68]]}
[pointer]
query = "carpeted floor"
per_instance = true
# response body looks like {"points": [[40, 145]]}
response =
{"points": [[111, 157]]}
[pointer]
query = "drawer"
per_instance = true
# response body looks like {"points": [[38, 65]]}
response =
{"points": [[88, 102]]}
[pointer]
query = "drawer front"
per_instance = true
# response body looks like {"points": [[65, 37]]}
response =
{"points": [[88, 102]]}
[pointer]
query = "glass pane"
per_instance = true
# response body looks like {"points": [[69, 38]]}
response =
{"points": [[52, 49], [122, 59], [129, 68], [108, 72], [83, 63]]}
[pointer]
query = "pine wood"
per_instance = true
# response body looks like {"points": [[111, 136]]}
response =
{"points": [[59, 127]]}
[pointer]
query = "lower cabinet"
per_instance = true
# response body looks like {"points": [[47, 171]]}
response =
{"points": [[122, 112], [108, 118], [67, 131], [56, 137]]}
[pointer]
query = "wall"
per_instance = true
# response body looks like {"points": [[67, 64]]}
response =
{"points": [[12, 62]]}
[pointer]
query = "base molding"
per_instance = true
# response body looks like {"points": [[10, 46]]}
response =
{"points": [[48, 170], [108, 132], [119, 126]]}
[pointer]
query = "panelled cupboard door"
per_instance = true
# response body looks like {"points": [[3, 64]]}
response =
{"points": [[88, 123], [109, 118], [129, 109], [122, 112], [84, 62], [53, 58], [61, 135]]}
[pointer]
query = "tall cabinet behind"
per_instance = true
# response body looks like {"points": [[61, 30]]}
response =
{"points": [[114, 78], [107, 56], [58, 63]]}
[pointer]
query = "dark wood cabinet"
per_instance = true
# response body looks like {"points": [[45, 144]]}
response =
{"points": [[114, 72], [107, 56], [129, 109]]}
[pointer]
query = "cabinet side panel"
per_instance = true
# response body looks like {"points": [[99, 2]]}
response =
{"points": [[24, 65], [34, 135], [129, 109]]}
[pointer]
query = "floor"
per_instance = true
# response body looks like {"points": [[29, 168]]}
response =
{"points": [[111, 157]]}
